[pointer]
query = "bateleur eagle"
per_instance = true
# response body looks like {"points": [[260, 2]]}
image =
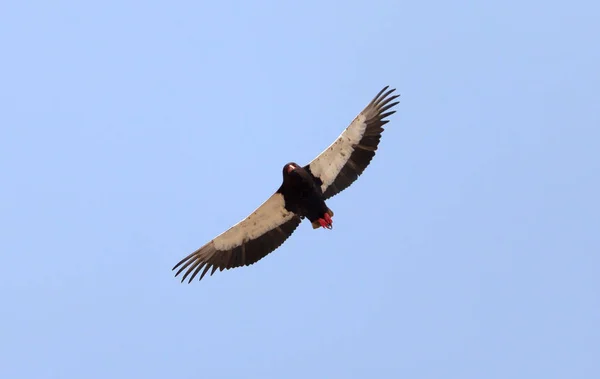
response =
{"points": [[301, 195]]}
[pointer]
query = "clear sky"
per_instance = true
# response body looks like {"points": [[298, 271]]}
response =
{"points": [[131, 133]]}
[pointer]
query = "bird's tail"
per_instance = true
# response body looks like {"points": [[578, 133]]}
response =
{"points": [[316, 224]]}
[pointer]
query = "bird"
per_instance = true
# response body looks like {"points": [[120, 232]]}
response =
{"points": [[302, 195]]}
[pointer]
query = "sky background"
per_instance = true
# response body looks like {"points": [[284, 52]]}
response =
{"points": [[131, 133]]}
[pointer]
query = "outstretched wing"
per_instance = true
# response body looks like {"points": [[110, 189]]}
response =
{"points": [[244, 243], [338, 166]]}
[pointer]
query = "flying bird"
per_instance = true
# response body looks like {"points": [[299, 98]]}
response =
{"points": [[301, 195]]}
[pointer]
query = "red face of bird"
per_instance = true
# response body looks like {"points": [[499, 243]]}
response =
{"points": [[288, 168]]}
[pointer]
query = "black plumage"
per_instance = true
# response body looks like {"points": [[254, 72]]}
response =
{"points": [[302, 194]]}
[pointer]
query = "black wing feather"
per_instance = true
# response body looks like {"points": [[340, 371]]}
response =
{"points": [[346, 159], [244, 243]]}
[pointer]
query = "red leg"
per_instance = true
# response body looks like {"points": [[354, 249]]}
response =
{"points": [[326, 221]]}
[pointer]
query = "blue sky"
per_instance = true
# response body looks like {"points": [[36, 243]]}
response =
{"points": [[134, 132]]}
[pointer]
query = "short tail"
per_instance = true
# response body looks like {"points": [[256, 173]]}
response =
{"points": [[316, 225]]}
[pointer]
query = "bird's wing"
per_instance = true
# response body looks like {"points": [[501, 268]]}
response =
{"points": [[338, 166], [246, 242]]}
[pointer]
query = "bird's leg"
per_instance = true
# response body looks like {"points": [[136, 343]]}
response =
{"points": [[326, 221]]}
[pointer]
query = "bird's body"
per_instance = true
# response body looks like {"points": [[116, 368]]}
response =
{"points": [[302, 194]]}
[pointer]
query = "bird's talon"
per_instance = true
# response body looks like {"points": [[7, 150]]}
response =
{"points": [[326, 222]]}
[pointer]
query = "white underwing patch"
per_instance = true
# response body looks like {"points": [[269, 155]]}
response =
{"points": [[330, 162], [269, 215]]}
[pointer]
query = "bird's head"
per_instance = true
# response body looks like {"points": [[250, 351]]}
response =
{"points": [[289, 168]]}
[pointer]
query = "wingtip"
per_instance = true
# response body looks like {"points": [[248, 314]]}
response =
{"points": [[383, 94]]}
